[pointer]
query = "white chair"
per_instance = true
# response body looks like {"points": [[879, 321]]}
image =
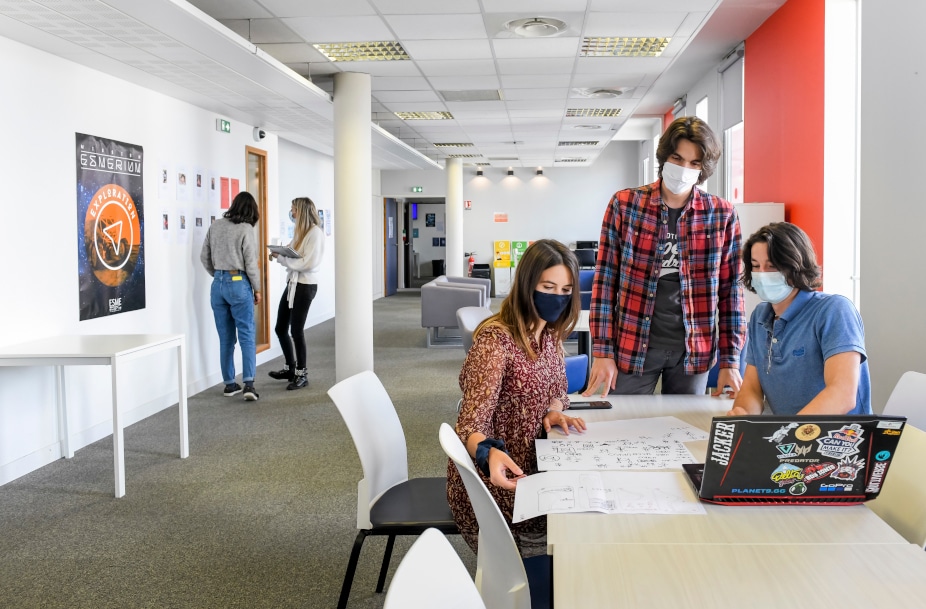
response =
{"points": [[909, 399], [388, 503], [432, 575], [500, 574], [902, 501], [468, 319]]}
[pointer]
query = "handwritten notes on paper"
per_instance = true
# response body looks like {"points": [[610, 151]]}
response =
{"points": [[650, 443], [606, 492]]}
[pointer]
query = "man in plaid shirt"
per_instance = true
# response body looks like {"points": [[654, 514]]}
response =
{"points": [[666, 297]]}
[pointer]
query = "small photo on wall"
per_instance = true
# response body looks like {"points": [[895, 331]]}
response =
{"points": [[435, 241]]}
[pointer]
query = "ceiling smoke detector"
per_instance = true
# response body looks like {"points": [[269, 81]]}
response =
{"points": [[536, 27]]}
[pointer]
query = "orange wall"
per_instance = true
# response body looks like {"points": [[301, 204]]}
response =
{"points": [[784, 71]]}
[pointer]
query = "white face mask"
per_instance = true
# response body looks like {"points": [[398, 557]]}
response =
{"points": [[771, 287], [679, 179]]}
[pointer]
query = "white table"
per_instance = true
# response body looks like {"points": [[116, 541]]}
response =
{"points": [[734, 556], [98, 350], [695, 576]]}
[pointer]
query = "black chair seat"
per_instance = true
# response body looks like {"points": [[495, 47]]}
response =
{"points": [[418, 503]]}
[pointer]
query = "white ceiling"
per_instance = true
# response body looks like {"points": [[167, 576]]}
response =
{"points": [[253, 61]]}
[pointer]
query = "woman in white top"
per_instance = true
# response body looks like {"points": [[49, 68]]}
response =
{"points": [[301, 286]]}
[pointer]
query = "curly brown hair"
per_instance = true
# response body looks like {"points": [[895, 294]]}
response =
{"points": [[701, 135], [790, 250]]}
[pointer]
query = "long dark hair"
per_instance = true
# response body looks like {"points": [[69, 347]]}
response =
{"points": [[243, 209], [518, 315], [790, 250]]}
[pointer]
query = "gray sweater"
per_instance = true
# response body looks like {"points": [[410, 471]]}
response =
{"points": [[230, 247]]}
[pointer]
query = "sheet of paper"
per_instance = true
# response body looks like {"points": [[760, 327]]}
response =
{"points": [[606, 492], [650, 428], [586, 455]]}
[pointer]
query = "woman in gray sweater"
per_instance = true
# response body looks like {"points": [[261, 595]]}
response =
{"points": [[230, 256]]}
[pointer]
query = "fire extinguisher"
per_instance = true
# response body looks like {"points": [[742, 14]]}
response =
{"points": [[472, 261]]}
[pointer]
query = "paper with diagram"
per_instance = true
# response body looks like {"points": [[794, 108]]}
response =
{"points": [[595, 455], [606, 492], [647, 443]]}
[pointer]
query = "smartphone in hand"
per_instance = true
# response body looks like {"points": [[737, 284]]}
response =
{"points": [[595, 405]]}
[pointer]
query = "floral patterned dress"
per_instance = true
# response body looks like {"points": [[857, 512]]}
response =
{"points": [[506, 395]]}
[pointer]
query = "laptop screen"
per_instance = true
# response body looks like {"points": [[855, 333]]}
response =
{"points": [[801, 459]]}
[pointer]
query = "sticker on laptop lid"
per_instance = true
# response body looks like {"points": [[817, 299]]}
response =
{"points": [[841, 443], [890, 424]]}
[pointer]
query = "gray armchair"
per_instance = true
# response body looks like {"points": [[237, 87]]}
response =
{"points": [[440, 299]]}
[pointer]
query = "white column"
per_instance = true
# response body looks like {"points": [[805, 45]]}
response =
{"points": [[353, 224], [455, 265]]}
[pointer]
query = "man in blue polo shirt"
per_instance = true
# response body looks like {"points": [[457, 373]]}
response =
{"points": [[806, 349]]}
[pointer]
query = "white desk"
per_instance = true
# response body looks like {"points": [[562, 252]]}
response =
{"points": [[852, 524], [679, 576], [97, 350], [734, 556]]}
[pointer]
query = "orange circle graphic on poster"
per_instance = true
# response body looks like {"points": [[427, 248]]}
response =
{"points": [[112, 234]]}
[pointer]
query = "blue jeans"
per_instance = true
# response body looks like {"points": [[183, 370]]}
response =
{"points": [[233, 307]]}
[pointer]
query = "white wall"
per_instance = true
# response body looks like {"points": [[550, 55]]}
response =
{"points": [[304, 173], [893, 212], [565, 203], [55, 99]]}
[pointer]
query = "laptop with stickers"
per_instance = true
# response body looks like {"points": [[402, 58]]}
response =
{"points": [[826, 459]]}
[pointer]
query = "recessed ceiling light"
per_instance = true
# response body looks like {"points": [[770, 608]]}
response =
{"points": [[385, 50], [596, 112], [623, 47], [572, 160], [465, 156], [453, 145], [536, 27], [589, 127], [577, 143], [424, 116]]}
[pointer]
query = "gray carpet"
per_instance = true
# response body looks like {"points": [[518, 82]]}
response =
{"points": [[262, 513]]}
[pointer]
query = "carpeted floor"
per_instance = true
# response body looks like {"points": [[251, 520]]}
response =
{"points": [[262, 513]]}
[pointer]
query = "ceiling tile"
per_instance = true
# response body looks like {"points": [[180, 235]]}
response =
{"points": [[314, 8], [652, 5], [340, 29], [447, 49], [258, 31], [437, 27], [423, 7], [464, 83], [536, 81], [634, 24], [400, 83], [407, 96], [548, 65], [536, 47], [527, 93], [531, 8], [381, 68], [457, 67]]}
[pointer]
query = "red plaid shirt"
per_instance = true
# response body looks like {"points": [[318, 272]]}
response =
{"points": [[633, 237]]}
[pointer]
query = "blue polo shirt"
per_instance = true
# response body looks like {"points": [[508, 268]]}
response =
{"points": [[789, 352]]}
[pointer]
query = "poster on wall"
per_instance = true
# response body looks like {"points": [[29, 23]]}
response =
{"points": [[110, 227]]}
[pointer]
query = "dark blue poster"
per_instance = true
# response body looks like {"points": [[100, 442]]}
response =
{"points": [[110, 227]]}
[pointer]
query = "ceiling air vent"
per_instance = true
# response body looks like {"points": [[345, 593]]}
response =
{"points": [[579, 143], [536, 27], [471, 96]]}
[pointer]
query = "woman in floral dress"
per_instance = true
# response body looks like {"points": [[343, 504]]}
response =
{"points": [[514, 387]]}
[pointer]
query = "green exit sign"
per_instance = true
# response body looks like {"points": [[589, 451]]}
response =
{"points": [[417, 189], [222, 125]]}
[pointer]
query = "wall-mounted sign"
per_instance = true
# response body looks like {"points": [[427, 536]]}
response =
{"points": [[467, 204], [500, 217]]}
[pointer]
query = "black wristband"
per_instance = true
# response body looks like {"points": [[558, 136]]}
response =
{"points": [[482, 453]]}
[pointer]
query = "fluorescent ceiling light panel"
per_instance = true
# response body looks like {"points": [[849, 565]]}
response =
{"points": [[384, 50], [624, 46], [579, 143], [424, 116], [452, 145], [593, 112]]}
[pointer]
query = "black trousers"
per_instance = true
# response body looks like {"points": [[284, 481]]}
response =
{"points": [[291, 322]]}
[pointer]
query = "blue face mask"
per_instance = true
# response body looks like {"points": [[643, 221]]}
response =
{"points": [[551, 306], [771, 287], [292, 216]]}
